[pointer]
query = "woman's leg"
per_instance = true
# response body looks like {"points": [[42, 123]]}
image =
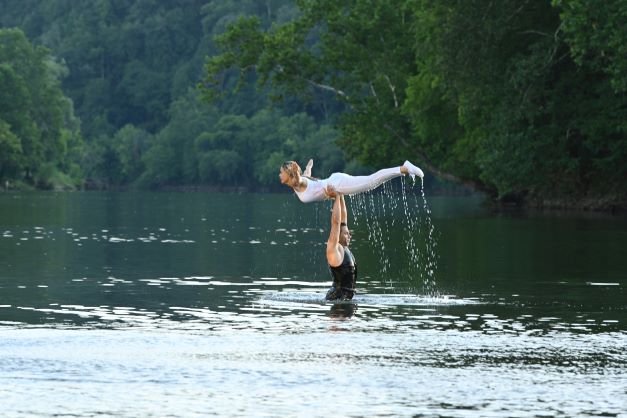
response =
{"points": [[347, 184]]}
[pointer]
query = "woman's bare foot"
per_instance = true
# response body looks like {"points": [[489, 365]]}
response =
{"points": [[412, 170]]}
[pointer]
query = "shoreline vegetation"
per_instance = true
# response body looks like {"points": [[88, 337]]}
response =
{"points": [[525, 102], [607, 204]]}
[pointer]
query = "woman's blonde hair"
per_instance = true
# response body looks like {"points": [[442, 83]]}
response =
{"points": [[291, 168]]}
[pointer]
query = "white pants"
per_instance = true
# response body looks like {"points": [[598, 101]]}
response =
{"points": [[347, 184]]}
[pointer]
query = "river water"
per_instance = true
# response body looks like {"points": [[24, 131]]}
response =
{"points": [[203, 304]]}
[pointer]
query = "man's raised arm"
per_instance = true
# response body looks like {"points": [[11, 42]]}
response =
{"points": [[344, 212], [335, 253]]}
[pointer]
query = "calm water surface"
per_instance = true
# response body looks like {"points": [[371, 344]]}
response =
{"points": [[200, 304]]}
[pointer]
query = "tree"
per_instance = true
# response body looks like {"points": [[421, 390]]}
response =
{"points": [[173, 158], [477, 91], [597, 37], [535, 125], [360, 52], [35, 112], [130, 144], [10, 149]]}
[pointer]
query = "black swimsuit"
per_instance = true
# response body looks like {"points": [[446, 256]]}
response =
{"points": [[344, 278]]}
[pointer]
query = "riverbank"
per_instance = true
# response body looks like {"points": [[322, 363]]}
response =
{"points": [[610, 204], [602, 204]]}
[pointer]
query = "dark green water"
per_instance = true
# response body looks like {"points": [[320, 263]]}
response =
{"points": [[105, 294]]}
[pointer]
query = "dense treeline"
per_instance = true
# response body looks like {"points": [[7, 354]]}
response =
{"points": [[131, 70], [40, 139], [525, 100]]}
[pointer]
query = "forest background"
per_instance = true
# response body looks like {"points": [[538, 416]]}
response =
{"points": [[524, 100]]}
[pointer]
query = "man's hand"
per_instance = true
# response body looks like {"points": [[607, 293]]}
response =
{"points": [[331, 192]]}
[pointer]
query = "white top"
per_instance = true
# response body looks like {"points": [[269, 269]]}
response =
{"points": [[314, 192]]}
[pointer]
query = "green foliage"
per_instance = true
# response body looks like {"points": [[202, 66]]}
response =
{"points": [[172, 160], [10, 151], [131, 65], [235, 150], [525, 100], [357, 51], [597, 36], [521, 99], [122, 54], [129, 144], [223, 165], [39, 135]]}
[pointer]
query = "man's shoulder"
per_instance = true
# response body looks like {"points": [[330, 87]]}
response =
{"points": [[332, 252]]}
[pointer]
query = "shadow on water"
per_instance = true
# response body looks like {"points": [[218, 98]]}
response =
{"points": [[342, 310]]}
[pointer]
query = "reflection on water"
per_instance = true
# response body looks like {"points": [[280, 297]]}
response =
{"points": [[196, 304]]}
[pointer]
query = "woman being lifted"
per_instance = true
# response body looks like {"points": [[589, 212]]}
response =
{"points": [[309, 189]]}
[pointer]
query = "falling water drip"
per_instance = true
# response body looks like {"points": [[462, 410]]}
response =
{"points": [[420, 241], [389, 193], [412, 227], [352, 203], [383, 211], [386, 216], [365, 207], [377, 234], [316, 254], [431, 246]]}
